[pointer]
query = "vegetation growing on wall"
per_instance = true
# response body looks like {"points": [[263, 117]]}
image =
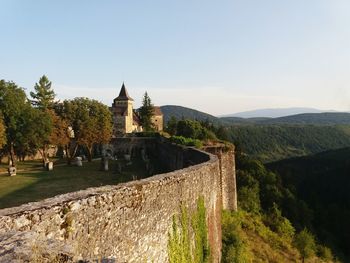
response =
{"points": [[188, 238]]}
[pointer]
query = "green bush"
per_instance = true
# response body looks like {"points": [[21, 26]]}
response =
{"points": [[248, 199], [193, 129], [305, 243], [233, 248], [279, 224], [186, 141], [325, 253]]}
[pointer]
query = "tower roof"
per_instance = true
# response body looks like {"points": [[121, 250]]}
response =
{"points": [[123, 94]]}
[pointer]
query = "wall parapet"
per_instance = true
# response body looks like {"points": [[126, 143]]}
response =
{"points": [[128, 222]]}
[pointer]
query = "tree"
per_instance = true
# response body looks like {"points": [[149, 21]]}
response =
{"points": [[278, 223], [91, 122], [35, 133], [2, 133], [305, 243], [60, 133], [146, 113], [194, 130], [222, 133], [44, 96], [171, 126], [325, 253], [43, 99], [14, 107]]}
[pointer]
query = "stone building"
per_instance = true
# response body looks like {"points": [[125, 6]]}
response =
{"points": [[157, 119], [126, 119]]}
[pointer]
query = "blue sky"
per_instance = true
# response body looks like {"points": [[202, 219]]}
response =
{"points": [[216, 56]]}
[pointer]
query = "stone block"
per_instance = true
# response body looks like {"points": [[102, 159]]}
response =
{"points": [[127, 157], [12, 171], [49, 166], [104, 164], [78, 161]]}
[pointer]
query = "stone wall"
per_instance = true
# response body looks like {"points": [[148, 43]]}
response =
{"points": [[128, 222], [228, 175]]}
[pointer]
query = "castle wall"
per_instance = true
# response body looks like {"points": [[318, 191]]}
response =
{"points": [[228, 175], [129, 222]]}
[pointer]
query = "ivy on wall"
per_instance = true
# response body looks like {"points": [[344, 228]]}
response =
{"points": [[188, 238]]}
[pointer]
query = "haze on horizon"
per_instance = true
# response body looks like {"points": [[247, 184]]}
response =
{"points": [[218, 57]]}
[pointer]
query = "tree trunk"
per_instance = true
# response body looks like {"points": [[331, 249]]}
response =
{"points": [[44, 155], [70, 154], [12, 155], [66, 147], [89, 149]]}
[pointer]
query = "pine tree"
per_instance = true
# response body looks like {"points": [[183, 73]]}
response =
{"points": [[146, 113], [44, 96]]}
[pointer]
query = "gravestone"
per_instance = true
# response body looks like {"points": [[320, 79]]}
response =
{"points": [[127, 157], [78, 161], [12, 171], [104, 164], [49, 166], [119, 167]]}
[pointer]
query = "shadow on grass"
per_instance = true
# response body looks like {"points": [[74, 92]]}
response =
{"points": [[31, 186]]}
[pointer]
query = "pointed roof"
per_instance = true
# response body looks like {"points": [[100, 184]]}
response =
{"points": [[123, 94]]}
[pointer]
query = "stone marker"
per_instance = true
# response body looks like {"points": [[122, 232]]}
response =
{"points": [[78, 161], [127, 157], [12, 171], [119, 167], [104, 164], [49, 166]]}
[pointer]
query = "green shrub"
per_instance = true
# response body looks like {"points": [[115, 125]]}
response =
{"points": [[325, 253], [186, 141], [248, 199], [233, 248], [305, 243], [193, 129], [279, 224]]}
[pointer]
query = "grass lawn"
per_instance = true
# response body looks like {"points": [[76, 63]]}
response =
{"points": [[35, 185], [29, 165]]}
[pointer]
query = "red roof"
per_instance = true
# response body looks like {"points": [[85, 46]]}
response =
{"points": [[157, 111]]}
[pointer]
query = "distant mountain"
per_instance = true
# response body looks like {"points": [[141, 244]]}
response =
{"points": [[187, 113], [273, 113], [326, 118], [237, 120]]}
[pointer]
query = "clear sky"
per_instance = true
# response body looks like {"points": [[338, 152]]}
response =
{"points": [[216, 56]]}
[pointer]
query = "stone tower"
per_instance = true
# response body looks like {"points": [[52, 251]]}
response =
{"points": [[122, 109]]}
